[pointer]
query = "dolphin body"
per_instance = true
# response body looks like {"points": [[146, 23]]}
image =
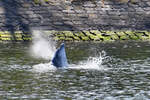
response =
{"points": [[60, 60]]}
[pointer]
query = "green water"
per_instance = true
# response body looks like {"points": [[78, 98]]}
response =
{"points": [[127, 76]]}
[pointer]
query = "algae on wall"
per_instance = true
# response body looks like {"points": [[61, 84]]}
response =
{"points": [[92, 35]]}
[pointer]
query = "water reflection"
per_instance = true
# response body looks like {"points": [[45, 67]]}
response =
{"points": [[127, 77]]}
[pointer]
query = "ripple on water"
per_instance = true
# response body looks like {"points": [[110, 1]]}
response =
{"points": [[126, 77]]}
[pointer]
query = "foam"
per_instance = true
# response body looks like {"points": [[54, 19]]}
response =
{"points": [[43, 67], [92, 63]]}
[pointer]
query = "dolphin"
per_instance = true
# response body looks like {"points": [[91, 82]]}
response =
{"points": [[60, 60]]}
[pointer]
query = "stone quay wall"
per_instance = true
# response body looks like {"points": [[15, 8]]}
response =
{"points": [[75, 16]]}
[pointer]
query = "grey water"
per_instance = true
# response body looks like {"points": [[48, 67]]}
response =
{"points": [[127, 76]]}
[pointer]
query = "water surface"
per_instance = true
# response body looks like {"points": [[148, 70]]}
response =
{"points": [[124, 73]]}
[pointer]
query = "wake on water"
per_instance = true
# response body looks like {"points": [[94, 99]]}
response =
{"points": [[92, 63], [45, 48]]}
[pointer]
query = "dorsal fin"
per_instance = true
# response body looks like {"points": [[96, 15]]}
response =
{"points": [[60, 59]]}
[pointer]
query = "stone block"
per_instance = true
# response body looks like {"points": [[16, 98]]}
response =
{"points": [[133, 5], [93, 16], [108, 2], [71, 15], [80, 11], [89, 9], [91, 36], [77, 22], [58, 23], [146, 8], [114, 13], [68, 23], [76, 38], [68, 11], [66, 18], [91, 12], [58, 15], [89, 5], [29, 12], [68, 39], [33, 16], [26, 5], [144, 0], [68, 33], [139, 9], [148, 3], [130, 9], [82, 15]]}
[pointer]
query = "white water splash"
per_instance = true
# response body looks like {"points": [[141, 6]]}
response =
{"points": [[92, 62], [43, 67], [42, 47]]}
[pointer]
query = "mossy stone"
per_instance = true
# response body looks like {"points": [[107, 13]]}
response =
{"points": [[76, 38], [1, 32], [6, 35], [27, 38], [37, 1], [69, 39], [144, 38], [68, 33], [93, 37], [85, 38], [5, 38], [99, 36], [46, 1], [80, 34], [129, 32], [133, 37], [114, 37], [50, 33], [139, 34], [108, 38], [111, 35], [60, 35], [147, 33], [56, 38], [120, 33], [61, 38], [95, 31], [18, 38], [109, 32], [18, 35], [124, 37]]}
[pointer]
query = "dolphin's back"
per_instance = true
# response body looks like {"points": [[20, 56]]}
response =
{"points": [[60, 59]]}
